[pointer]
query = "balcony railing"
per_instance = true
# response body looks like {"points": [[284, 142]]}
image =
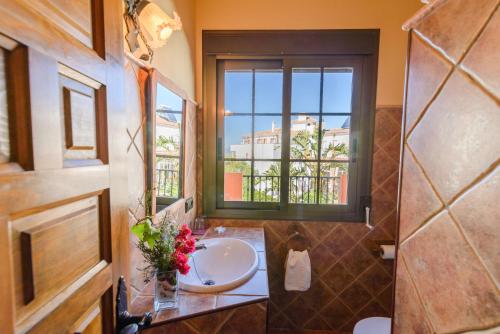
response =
{"points": [[167, 183], [302, 189]]}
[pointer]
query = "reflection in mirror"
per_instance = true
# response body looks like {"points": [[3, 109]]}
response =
{"points": [[169, 113]]}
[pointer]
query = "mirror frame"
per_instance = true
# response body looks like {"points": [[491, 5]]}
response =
{"points": [[154, 78]]}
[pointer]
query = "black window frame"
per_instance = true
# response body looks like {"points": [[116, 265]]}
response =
{"points": [[357, 49]]}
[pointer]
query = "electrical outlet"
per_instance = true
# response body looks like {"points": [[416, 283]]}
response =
{"points": [[188, 204]]}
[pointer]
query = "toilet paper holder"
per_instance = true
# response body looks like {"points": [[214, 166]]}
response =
{"points": [[376, 247]]}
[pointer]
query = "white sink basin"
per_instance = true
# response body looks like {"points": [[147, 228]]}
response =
{"points": [[223, 265]]}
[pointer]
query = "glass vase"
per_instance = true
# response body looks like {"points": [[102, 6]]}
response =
{"points": [[166, 289]]}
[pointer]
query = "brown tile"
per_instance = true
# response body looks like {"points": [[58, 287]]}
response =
{"points": [[240, 320], [393, 147], [322, 259], [356, 230], [383, 204], [375, 279], [338, 278], [336, 314], [189, 303], [458, 128], [355, 296], [338, 242], [418, 199], [317, 324], [209, 323], [318, 295], [478, 212], [385, 298], [280, 296], [483, 60], [383, 167], [178, 327], [358, 260], [386, 127], [409, 314], [299, 311], [279, 321], [453, 25], [426, 73], [255, 286], [372, 309], [450, 279], [319, 230]]}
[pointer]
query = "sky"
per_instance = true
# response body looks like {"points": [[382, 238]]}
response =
{"points": [[337, 85]]}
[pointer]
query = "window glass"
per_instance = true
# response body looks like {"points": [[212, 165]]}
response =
{"points": [[268, 91], [337, 90], [238, 92], [306, 88], [168, 132]]}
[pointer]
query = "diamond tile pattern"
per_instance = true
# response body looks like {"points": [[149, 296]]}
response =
{"points": [[348, 280], [136, 166], [448, 274], [234, 320]]}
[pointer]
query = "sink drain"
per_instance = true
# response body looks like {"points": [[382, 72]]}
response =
{"points": [[209, 282]]}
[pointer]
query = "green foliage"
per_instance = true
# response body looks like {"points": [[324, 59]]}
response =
{"points": [[156, 243]]}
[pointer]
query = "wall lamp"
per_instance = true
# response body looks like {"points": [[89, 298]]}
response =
{"points": [[147, 22]]}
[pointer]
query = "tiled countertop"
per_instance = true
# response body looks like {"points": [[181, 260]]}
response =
{"points": [[193, 304]]}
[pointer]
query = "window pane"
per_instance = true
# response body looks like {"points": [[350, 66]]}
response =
{"points": [[238, 91], [166, 100], [304, 132], [335, 139], [237, 180], [267, 181], [337, 90], [4, 117], [333, 183], [167, 177], [267, 137], [168, 133], [238, 137], [302, 186], [306, 90], [269, 91]]}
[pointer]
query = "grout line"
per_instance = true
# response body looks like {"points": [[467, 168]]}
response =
{"points": [[473, 249], [419, 297], [455, 67]]}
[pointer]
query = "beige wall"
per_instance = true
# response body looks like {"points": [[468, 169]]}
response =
{"points": [[388, 15], [176, 59]]}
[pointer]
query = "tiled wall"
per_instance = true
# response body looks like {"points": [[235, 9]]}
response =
{"points": [[448, 274], [348, 282], [136, 130], [242, 319]]}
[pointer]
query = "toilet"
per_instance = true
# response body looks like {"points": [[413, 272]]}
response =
{"points": [[374, 325]]}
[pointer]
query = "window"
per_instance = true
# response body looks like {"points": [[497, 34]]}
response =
{"points": [[292, 132], [168, 143]]}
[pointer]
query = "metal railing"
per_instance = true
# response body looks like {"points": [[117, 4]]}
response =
{"points": [[302, 189], [167, 183]]}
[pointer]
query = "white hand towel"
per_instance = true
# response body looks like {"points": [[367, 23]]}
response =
{"points": [[297, 271]]}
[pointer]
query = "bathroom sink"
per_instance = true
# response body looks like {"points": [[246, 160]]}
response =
{"points": [[224, 264]]}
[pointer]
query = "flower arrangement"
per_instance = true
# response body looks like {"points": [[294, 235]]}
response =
{"points": [[164, 246]]}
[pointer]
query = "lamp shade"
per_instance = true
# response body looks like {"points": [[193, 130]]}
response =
{"points": [[156, 25]]}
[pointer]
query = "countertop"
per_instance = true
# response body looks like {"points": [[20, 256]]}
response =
{"points": [[193, 304]]}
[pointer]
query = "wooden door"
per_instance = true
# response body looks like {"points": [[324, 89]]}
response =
{"points": [[63, 184]]}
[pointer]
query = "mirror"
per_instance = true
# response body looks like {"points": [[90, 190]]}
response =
{"points": [[167, 142]]}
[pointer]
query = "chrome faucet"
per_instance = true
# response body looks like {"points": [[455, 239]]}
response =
{"points": [[200, 246]]}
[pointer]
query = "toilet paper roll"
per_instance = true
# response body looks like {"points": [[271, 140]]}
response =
{"points": [[387, 252]]}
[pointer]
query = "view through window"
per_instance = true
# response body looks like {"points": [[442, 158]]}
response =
{"points": [[168, 135], [304, 149]]}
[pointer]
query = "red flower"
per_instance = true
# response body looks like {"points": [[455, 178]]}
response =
{"points": [[184, 233], [184, 269], [188, 246], [180, 259]]}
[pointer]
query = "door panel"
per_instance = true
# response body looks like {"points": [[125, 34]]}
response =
{"points": [[61, 223]]}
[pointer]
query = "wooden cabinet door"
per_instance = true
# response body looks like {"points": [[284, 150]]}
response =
{"points": [[63, 183]]}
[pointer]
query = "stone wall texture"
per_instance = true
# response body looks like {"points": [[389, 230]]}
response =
{"points": [[448, 266]]}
